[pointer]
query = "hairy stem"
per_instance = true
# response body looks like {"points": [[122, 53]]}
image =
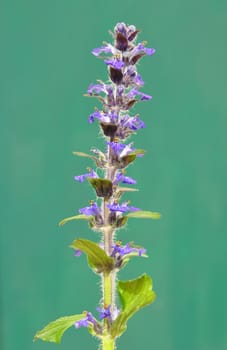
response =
{"points": [[108, 278], [108, 287], [108, 344]]}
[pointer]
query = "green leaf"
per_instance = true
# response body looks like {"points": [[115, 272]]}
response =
{"points": [[134, 295], [126, 189], [81, 154], [144, 215], [97, 257], [76, 217], [120, 222], [126, 160], [103, 187], [54, 331], [100, 162], [121, 190], [138, 151]]}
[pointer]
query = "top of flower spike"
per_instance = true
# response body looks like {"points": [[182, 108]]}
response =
{"points": [[124, 37], [128, 32], [121, 92]]}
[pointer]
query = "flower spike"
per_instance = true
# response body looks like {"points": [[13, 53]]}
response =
{"points": [[107, 213]]}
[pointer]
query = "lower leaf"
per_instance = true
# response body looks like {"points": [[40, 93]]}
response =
{"points": [[54, 331], [134, 295]]}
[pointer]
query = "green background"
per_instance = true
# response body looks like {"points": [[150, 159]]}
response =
{"points": [[46, 66]]}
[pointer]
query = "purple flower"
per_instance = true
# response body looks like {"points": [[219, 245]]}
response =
{"points": [[81, 178], [133, 123], [140, 48], [86, 321], [104, 313], [134, 92], [115, 207], [138, 80], [98, 115], [92, 210], [120, 90], [77, 252], [117, 147], [121, 149], [125, 179], [96, 88], [131, 77], [126, 249], [129, 32], [103, 49], [109, 117], [121, 28], [115, 62], [109, 90]]}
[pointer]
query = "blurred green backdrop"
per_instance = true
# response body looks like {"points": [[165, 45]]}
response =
{"points": [[46, 66]]}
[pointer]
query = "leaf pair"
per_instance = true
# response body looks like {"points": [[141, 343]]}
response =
{"points": [[134, 295], [97, 258], [142, 214]]}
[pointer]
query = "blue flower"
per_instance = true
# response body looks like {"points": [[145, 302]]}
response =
{"points": [[115, 62], [117, 147], [88, 320], [128, 32], [121, 28], [140, 48], [115, 207], [133, 123], [109, 117], [138, 80], [81, 178], [77, 252], [103, 49], [131, 77], [92, 210], [121, 150], [126, 249], [96, 88], [104, 313], [134, 92], [125, 179]]}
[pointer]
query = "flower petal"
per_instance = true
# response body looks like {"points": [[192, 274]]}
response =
{"points": [[103, 49], [115, 62], [92, 210], [121, 207], [82, 178]]}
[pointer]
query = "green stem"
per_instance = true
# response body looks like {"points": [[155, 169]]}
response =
{"points": [[108, 283], [108, 344], [108, 278]]}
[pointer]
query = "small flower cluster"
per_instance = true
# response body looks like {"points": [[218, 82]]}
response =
{"points": [[90, 320], [120, 253]]}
